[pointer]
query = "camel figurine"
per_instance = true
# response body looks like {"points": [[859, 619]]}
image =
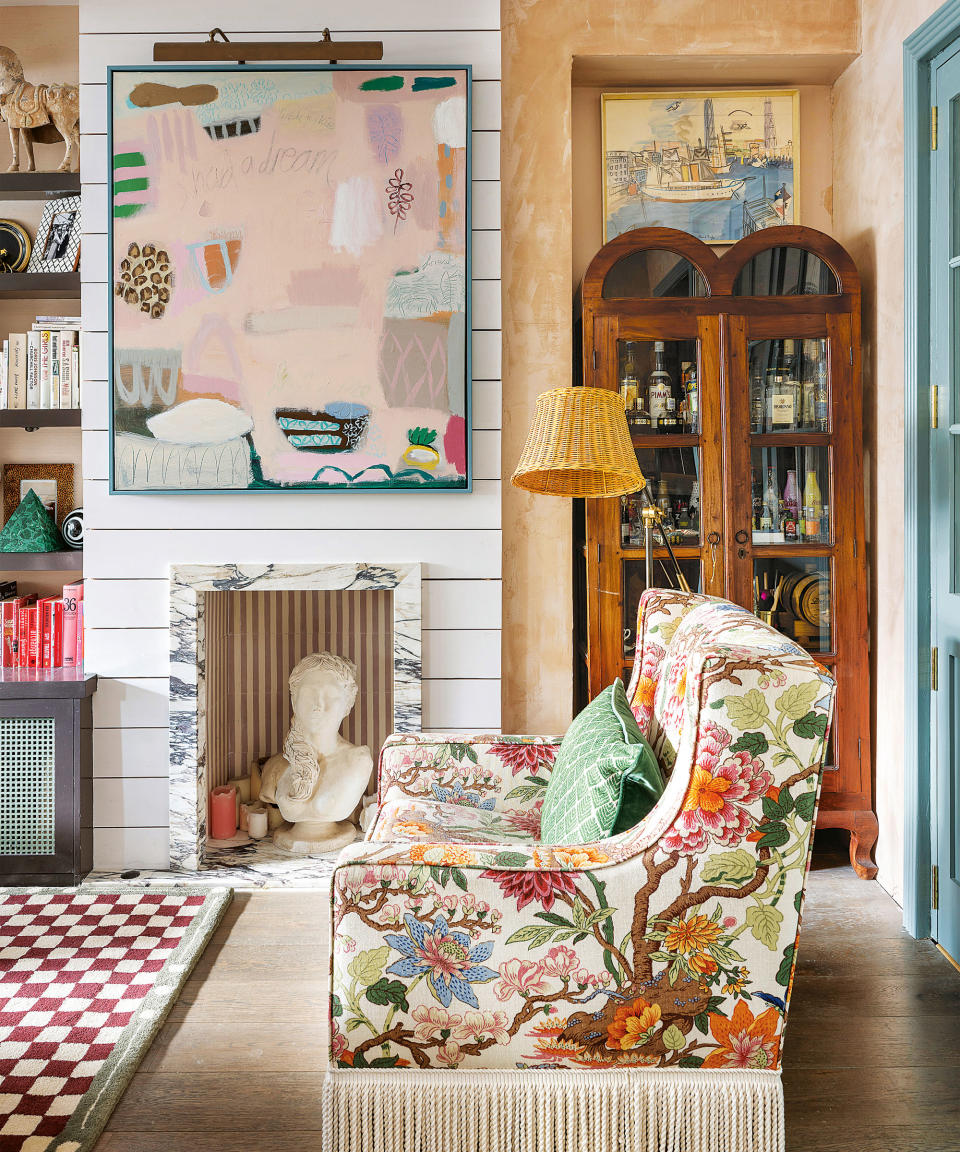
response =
{"points": [[38, 113]]}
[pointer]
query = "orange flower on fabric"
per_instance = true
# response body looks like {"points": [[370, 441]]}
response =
{"points": [[705, 791], [446, 854], [633, 1024], [579, 856], [694, 935], [644, 693], [745, 1041]]}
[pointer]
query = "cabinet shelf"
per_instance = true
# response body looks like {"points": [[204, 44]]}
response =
{"points": [[20, 683], [39, 285], [791, 439], [38, 185], [40, 418], [673, 440], [68, 560]]}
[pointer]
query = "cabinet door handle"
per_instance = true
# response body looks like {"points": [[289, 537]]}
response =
{"points": [[713, 540], [741, 537]]}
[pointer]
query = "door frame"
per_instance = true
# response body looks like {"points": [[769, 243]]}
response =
{"points": [[919, 50]]}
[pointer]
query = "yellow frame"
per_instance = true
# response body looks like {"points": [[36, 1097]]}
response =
{"points": [[702, 94]]}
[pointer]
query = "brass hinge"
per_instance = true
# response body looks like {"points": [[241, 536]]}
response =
{"points": [[594, 359], [851, 355], [934, 406], [934, 675], [935, 885], [933, 128]]}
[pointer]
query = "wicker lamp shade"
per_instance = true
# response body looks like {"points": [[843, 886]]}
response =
{"points": [[579, 445]]}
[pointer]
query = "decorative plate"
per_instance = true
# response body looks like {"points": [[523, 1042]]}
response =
{"points": [[14, 247]]}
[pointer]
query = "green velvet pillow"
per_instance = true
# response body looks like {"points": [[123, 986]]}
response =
{"points": [[606, 777]]}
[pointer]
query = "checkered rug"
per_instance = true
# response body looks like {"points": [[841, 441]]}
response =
{"points": [[86, 980]]}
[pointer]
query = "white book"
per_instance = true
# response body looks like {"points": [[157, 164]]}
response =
{"points": [[17, 370], [54, 369], [45, 368], [33, 369], [75, 377], [66, 368], [4, 359], [65, 319]]}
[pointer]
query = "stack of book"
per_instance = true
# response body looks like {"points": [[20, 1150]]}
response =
{"points": [[41, 368], [44, 633]]}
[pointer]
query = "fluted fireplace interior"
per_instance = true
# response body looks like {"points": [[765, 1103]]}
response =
{"points": [[237, 631]]}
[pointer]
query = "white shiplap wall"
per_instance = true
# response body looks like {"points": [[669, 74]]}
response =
{"points": [[131, 540]]}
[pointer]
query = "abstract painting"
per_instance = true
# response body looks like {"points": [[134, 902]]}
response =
{"points": [[290, 265], [719, 165]]}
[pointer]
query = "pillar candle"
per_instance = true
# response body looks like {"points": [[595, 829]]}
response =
{"points": [[223, 812], [257, 823], [245, 810]]}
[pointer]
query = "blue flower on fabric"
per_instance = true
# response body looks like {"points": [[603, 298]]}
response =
{"points": [[456, 795], [446, 955]]}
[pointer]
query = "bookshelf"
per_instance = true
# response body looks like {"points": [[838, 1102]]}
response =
{"points": [[40, 285]]}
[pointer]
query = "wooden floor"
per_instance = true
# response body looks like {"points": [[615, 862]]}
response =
{"points": [[872, 1046]]}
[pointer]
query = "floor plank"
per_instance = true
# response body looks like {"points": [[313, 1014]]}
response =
{"points": [[872, 1050]]}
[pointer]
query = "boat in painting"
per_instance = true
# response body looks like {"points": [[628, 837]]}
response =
{"points": [[688, 191]]}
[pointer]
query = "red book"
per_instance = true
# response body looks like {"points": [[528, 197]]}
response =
{"points": [[79, 653], [44, 631], [51, 632], [56, 654], [23, 635], [72, 600], [10, 618], [33, 636]]}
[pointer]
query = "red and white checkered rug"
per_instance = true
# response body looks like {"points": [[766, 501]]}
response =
{"points": [[86, 979]]}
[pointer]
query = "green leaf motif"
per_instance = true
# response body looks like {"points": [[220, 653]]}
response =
{"points": [[702, 1023], [753, 742], [459, 879], [716, 704], [674, 1039], [806, 802], [775, 835], [796, 701], [786, 966], [510, 859], [765, 922], [690, 1062], [365, 967], [525, 792], [811, 725], [735, 867], [388, 992], [336, 1007], [749, 711]]}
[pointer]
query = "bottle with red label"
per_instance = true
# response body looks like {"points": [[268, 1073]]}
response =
{"points": [[791, 508]]}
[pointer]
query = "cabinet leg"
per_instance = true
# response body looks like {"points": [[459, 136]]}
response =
{"points": [[863, 837]]}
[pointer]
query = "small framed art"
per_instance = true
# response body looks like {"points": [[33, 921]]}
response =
{"points": [[53, 484], [718, 164], [57, 244]]}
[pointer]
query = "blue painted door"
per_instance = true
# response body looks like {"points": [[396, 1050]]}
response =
{"points": [[945, 502]]}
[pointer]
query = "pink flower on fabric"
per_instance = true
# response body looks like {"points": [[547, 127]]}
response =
{"points": [[432, 1020], [519, 977], [539, 886], [478, 1025], [560, 961], [715, 807], [525, 819], [524, 757], [450, 1054]]}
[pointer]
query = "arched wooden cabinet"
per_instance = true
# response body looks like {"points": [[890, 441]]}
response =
{"points": [[742, 376]]}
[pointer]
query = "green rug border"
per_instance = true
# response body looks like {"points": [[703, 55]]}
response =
{"points": [[97, 1104]]}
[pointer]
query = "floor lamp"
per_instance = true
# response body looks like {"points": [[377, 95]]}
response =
{"points": [[579, 445]]}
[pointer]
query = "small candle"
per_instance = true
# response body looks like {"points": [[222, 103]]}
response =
{"points": [[257, 823], [245, 810], [223, 812]]}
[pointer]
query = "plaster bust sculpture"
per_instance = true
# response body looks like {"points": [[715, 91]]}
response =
{"points": [[38, 113], [318, 779]]}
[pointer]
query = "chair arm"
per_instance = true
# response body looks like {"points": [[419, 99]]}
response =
{"points": [[493, 772]]}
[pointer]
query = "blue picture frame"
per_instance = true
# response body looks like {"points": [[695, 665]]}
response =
{"points": [[314, 429]]}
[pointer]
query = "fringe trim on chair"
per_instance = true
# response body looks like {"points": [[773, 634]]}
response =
{"points": [[649, 1110]]}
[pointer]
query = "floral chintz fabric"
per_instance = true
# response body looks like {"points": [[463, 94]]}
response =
{"points": [[462, 942]]}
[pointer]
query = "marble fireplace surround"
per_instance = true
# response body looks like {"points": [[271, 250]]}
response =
{"points": [[188, 583]]}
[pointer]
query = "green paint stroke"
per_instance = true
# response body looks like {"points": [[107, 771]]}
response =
{"points": [[424, 83], [122, 211], [382, 84], [134, 184], [128, 159]]}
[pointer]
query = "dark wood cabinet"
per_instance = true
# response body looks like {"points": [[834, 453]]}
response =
{"points": [[751, 442], [46, 777]]}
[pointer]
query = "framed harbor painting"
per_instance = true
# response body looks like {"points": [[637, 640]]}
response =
{"points": [[290, 258], [719, 165]]}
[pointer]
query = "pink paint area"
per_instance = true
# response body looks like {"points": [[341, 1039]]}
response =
{"points": [[455, 444], [192, 386], [298, 467], [330, 284]]}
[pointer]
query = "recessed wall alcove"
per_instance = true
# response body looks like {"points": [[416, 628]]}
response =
{"points": [[236, 631]]}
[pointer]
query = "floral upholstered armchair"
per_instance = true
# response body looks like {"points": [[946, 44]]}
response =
{"points": [[491, 991]]}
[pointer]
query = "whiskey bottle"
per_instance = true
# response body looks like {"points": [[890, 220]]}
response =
{"points": [[770, 518], [758, 399], [629, 381], [812, 506], [660, 390], [782, 390], [638, 418], [691, 398]]}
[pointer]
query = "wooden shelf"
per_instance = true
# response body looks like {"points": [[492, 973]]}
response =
{"points": [[791, 439], [31, 418], [39, 285], [24, 683], [69, 560], [783, 551], [673, 440], [38, 185], [681, 551]]}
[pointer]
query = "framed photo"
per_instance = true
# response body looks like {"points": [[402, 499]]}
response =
{"points": [[57, 244], [718, 164], [291, 278], [53, 484]]}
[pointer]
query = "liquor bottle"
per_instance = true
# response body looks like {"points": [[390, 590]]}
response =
{"points": [[782, 389], [791, 508], [812, 506], [638, 418], [659, 387], [771, 505], [629, 381], [624, 521], [756, 498], [825, 523], [758, 399], [693, 506], [808, 387], [691, 399], [821, 401]]}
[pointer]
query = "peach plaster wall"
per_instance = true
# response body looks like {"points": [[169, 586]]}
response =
{"points": [[868, 220], [540, 40]]}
